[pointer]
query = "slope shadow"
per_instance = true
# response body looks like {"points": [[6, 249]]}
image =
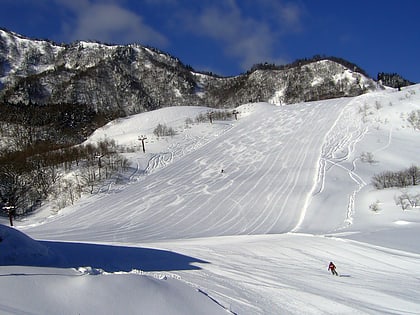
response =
{"points": [[116, 258]]}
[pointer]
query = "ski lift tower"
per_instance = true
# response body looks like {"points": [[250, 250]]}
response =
{"points": [[142, 138]]}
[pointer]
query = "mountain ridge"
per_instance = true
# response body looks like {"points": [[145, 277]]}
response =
{"points": [[132, 78], [83, 85]]}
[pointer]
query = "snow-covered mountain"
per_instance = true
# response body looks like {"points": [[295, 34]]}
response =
{"points": [[182, 237], [132, 79]]}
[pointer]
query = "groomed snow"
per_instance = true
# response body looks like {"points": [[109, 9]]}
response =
{"points": [[183, 237]]}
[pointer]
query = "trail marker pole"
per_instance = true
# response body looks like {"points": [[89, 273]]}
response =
{"points": [[235, 112], [99, 157], [10, 211]]}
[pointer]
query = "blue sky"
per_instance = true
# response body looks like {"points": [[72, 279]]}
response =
{"points": [[228, 36]]}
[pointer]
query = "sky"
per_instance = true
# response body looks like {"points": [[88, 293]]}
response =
{"points": [[227, 37]]}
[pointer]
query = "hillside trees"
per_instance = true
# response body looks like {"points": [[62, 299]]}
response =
{"points": [[65, 124], [28, 177], [393, 80], [162, 130], [214, 115], [414, 119], [401, 179], [404, 178], [406, 200], [40, 143], [304, 61]]}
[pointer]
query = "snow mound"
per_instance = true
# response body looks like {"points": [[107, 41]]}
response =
{"points": [[132, 292], [16, 248]]}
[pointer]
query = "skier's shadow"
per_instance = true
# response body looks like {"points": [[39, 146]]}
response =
{"points": [[346, 276]]}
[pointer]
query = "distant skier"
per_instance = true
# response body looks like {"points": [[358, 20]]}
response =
{"points": [[332, 268]]}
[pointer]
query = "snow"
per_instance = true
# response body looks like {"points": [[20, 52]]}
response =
{"points": [[182, 237], [278, 97], [19, 43], [93, 45]]}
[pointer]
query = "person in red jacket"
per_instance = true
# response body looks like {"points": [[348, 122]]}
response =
{"points": [[332, 268]]}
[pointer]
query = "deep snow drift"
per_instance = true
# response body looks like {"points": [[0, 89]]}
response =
{"points": [[183, 237]]}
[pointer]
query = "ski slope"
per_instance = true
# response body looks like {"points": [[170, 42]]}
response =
{"points": [[254, 239], [269, 161]]}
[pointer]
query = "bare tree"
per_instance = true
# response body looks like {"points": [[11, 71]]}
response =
{"points": [[402, 201], [414, 119], [414, 173], [163, 130], [367, 157], [374, 206]]}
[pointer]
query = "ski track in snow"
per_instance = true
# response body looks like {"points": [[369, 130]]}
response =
{"points": [[337, 149], [247, 283], [262, 179]]}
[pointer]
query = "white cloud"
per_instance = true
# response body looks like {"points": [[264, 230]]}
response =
{"points": [[109, 22], [248, 32], [286, 16], [161, 2]]}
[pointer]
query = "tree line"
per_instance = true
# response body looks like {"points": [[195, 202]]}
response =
{"points": [[41, 142], [403, 178], [59, 123], [393, 80], [28, 177], [305, 61]]}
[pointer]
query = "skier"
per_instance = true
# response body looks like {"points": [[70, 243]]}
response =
{"points": [[332, 268]]}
